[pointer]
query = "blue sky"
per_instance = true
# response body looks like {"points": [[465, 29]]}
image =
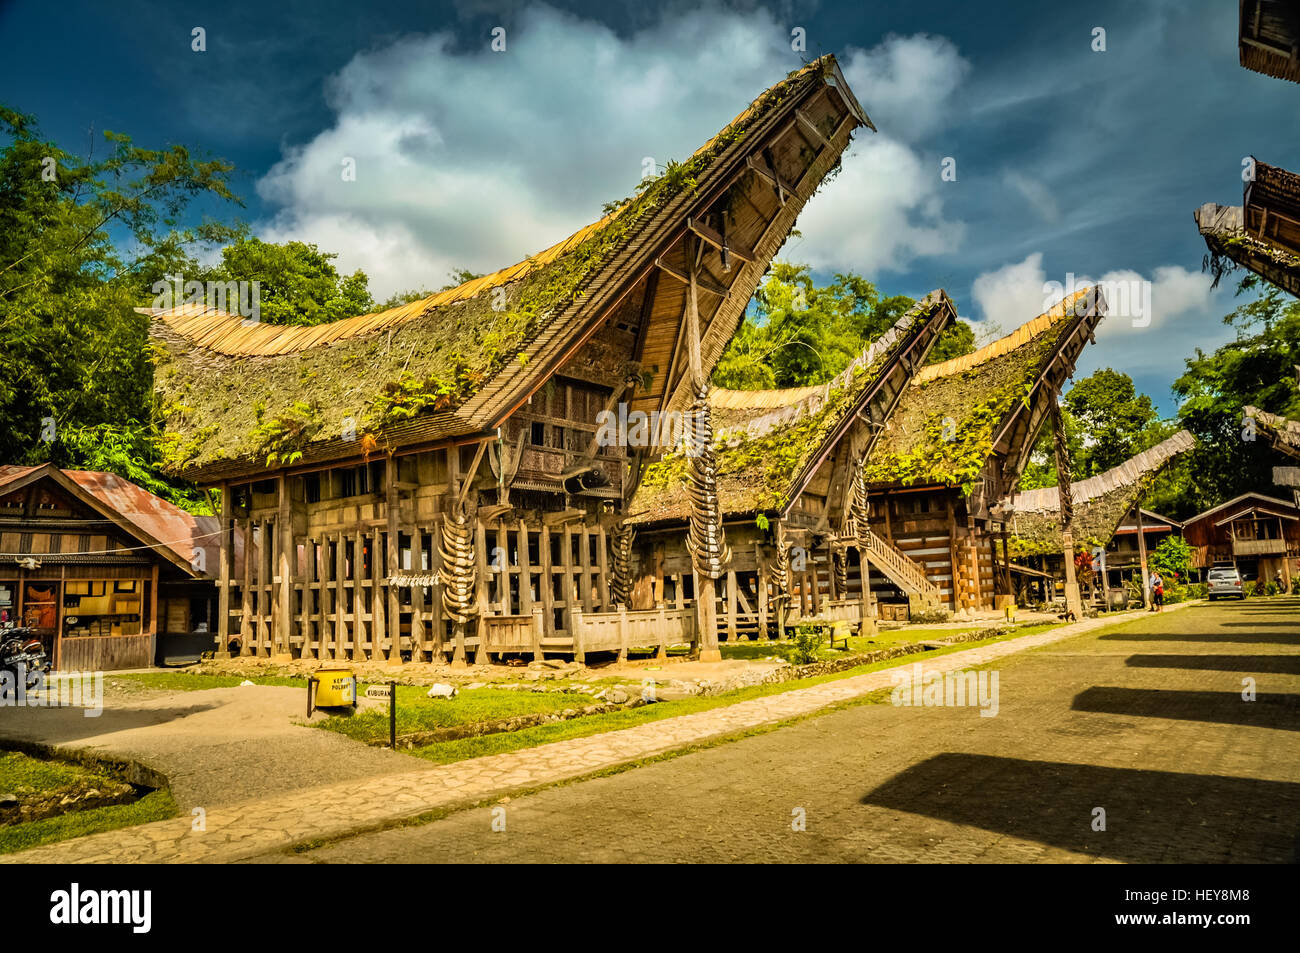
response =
{"points": [[1068, 160]]}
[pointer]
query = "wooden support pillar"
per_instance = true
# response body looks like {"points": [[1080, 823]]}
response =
{"points": [[306, 617], [706, 610], [340, 597], [1142, 560], [731, 605], [226, 556], [246, 628], [153, 614], [393, 560], [480, 556], [419, 648], [286, 554]]}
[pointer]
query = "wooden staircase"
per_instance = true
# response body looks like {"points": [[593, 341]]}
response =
{"points": [[901, 570]]}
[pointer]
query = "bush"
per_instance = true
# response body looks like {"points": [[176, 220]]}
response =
{"points": [[1272, 588], [1174, 593], [808, 638]]}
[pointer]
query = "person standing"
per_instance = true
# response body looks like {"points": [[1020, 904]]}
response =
{"points": [[1157, 592]]}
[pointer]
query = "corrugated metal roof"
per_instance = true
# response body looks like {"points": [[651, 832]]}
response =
{"points": [[162, 526]]}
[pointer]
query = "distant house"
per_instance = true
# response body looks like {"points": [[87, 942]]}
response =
{"points": [[1258, 534], [109, 575], [1105, 515]]}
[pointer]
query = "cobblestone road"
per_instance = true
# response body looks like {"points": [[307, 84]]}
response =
{"points": [[264, 825], [1147, 724]]}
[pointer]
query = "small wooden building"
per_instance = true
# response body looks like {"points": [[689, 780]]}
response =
{"points": [[440, 478], [108, 574], [1257, 534], [1106, 513]]}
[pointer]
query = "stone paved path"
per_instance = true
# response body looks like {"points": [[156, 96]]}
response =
{"points": [[259, 826], [1146, 722], [215, 746]]}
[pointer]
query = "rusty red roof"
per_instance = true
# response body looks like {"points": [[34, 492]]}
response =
{"points": [[175, 534]]}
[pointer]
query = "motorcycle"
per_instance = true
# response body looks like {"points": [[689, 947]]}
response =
{"points": [[24, 656]]}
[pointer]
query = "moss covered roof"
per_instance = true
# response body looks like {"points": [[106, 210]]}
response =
{"points": [[1284, 434], [765, 439], [1099, 502], [945, 425], [239, 399], [1230, 248]]}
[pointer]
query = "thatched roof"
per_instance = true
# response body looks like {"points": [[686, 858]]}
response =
{"points": [[770, 441], [1262, 234], [459, 362], [1283, 434], [961, 413], [1268, 38], [1100, 502]]}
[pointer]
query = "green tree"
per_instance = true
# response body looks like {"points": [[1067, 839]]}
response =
{"points": [[1107, 422], [1172, 557], [799, 334], [298, 283], [1258, 368], [81, 243]]}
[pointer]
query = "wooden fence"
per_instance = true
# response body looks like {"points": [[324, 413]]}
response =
{"points": [[832, 610], [632, 628]]}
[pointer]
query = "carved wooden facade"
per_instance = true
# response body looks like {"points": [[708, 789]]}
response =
{"points": [[357, 545]]}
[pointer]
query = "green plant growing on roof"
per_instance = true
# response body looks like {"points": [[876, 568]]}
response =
{"points": [[282, 438]]}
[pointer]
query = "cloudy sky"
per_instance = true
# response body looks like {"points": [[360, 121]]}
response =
{"points": [[1070, 162]]}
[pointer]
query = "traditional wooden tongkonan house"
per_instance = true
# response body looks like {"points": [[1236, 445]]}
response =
{"points": [[108, 575], [790, 496], [430, 479], [1262, 234], [958, 443], [1101, 505], [819, 485], [1268, 37]]}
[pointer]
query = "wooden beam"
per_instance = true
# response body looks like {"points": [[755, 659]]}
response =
{"points": [[715, 239], [223, 572], [811, 128], [763, 171], [702, 283], [473, 469]]}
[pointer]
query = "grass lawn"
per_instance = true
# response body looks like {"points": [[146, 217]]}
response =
{"points": [[446, 752], [21, 774], [155, 806], [417, 712], [193, 681], [857, 644]]}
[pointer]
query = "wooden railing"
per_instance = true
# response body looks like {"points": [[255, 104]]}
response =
{"points": [[631, 628], [1258, 547], [905, 573], [832, 610], [512, 633]]}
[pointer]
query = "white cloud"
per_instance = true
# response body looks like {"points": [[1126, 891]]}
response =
{"points": [[1038, 195], [471, 158], [908, 80], [1012, 294], [1147, 317]]}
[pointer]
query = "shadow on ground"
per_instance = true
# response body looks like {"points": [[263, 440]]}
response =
{"points": [[1283, 637], [1150, 816], [1264, 664], [1268, 710]]}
